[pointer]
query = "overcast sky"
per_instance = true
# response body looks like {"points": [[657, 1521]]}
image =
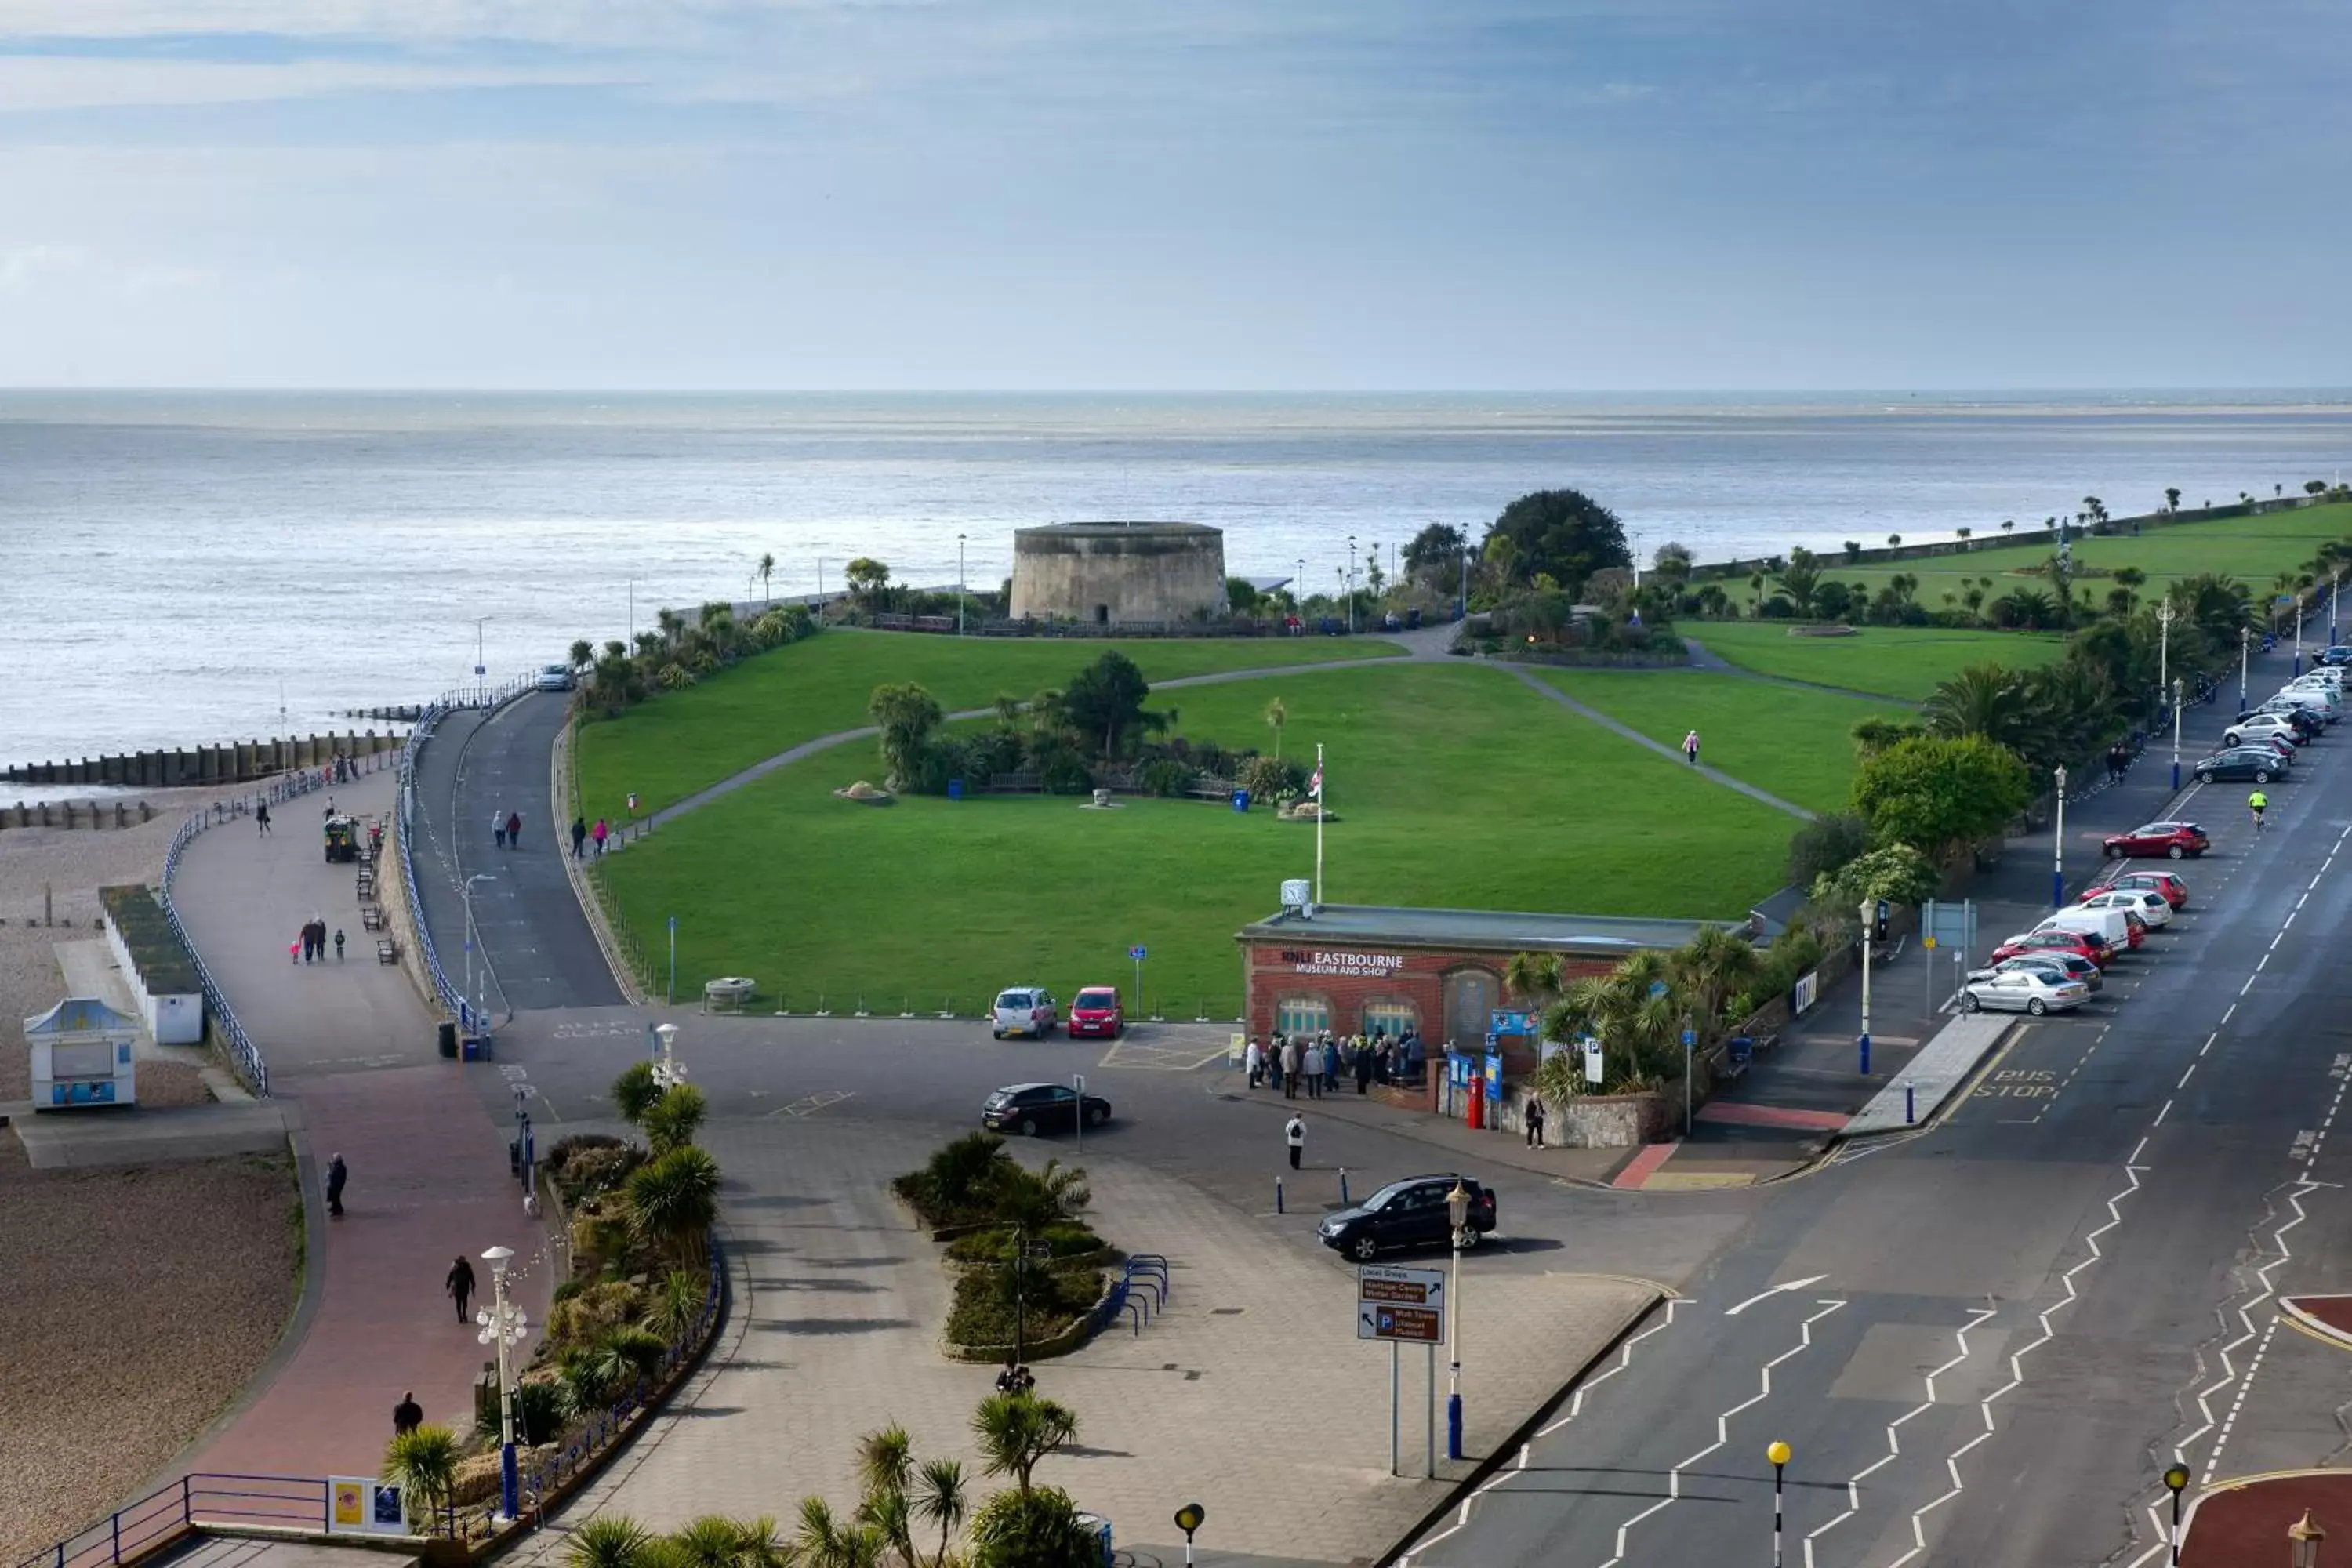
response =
{"points": [[1212, 193]]}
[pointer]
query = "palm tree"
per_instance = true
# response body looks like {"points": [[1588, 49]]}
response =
{"points": [[714, 1541], [672, 1121], [583, 654], [1276, 716], [939, 1499], [675, 677], [1534, 978], [424, 1460], [611, 1541], [673, 1200], [671, 624], [821, 1542], [1894, 541], [2172, 498], [1982, 699], [2130, 579], [767, 570], [634, 1091], [1033, 1530], [1712, 966], [1017, 1430], [676, 1305], [2009, 525]]}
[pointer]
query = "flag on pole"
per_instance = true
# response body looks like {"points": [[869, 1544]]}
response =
{"points": [[1315, 785]]}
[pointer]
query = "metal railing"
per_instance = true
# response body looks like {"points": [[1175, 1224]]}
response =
{"points": [[298, 1502]]}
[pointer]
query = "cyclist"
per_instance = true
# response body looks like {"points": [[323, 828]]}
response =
{"points": [[2258, 803]]}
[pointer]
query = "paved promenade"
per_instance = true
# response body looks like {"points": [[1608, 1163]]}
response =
{"points": [[352, 1054]]}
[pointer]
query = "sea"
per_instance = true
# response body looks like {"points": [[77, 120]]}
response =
{"points": [[189, 567]]}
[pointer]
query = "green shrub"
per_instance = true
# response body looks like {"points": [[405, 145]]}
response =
{"points": [[996, 1245], [1166, 778], [1271, 778], [541, 1407], [593, 1311], [558, 1157], [633, 1090], [673, 1119], [1036, 1528], [591, 1171], [1054, 1297]]}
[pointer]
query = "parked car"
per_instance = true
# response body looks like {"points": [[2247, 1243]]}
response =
{"points": [[2023, 990], [1096, 1010], [2261, 724], [2309, 722], [1411, 1213], [2113, 927], [2175, 891], [555, 677], [2076, 943], [1026, 1010], [2169, 839], [2065, 966], [2152, 908], [1029, 1109], [2341, 654], [2260, 764]]}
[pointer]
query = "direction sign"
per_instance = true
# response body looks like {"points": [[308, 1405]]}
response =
{"points": [[1406, 1305], [1136, 954]]}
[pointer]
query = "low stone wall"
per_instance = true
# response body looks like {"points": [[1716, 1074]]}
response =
{"points": [[1609, 1120]]}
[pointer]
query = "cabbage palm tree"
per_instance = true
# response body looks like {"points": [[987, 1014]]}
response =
{"points": [[1533, 977], [1276, 716], [1017, 1430], [673, 1200], [612, 1540], [424, 1460], [939, 1499], [825, 1541], [1713, 966], [1982, 699], [767, 570]]}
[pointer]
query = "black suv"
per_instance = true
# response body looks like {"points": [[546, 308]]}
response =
{"points": [[1411, 1213], [1030, 1108]]}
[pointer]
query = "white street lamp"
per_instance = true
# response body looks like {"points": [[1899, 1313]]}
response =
{"points": [[959, 584], [1457, 1210], [503, 1325], [2164, 646], [1351, 585], [2245, 647], [668, 1071], [1868, 910], [2175, 736], [2058, 847]]}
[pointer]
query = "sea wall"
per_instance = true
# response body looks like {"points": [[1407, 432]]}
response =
{"points": [[239, 761]]}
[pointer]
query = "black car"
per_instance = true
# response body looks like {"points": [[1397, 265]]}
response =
{"points": [[1411, 1213], [1030, 1108], [2259, 763]]}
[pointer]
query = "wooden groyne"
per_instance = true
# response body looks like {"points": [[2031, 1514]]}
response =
{"points": [[396, 713], [239, 761]]}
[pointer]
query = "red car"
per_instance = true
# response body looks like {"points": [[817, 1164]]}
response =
{"points": [[2175, 891], [1096, 1010], [2073, 942], [2168, 838]]}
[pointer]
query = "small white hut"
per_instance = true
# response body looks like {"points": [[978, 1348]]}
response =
{"points": [[81, 1055]]}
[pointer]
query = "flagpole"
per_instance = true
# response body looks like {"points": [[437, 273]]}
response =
{"points": [[1318, 821]]}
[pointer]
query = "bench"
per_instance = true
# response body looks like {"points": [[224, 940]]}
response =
{"points": [[371, 917], [386, 951]]}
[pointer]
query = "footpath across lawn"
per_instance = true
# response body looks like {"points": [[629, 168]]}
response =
{"points": [[1793, 742], [1454, 785], [684, 740], [1905, 662]]}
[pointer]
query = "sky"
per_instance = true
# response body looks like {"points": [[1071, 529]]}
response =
{"points": [[1248, 194]]}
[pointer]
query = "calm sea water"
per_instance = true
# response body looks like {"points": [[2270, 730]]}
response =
{"points": [[180, 566]]}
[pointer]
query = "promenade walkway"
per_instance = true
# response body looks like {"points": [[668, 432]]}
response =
{"points": [[352, 1053]]}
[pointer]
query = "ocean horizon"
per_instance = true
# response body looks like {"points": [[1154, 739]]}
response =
{"points": [[194, 566]]}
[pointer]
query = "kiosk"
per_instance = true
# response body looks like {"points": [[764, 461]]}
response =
{"points": [[81, 1055]]}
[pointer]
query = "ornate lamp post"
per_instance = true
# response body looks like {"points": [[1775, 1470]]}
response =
{"points": [[2302, 1543], [2058, 847], [1457, 1210], [503, 1325], [1868, 910], [668, 1071]]}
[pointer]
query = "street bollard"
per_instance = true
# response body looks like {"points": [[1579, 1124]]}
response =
{"points": [[1343, 1188], [1907, 1107], [1277, 1194]]}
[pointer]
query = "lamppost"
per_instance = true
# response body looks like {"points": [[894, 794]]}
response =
{"points": [[2302, 1543], [959, 584], [2245, 647], [1462, 601], [2164, 648], [1298, 592], [481, 678], [473, 941], [1867, 910], [668, 1071], [1777, 1452], [1457, 1210], [503, 1325], [2175, 736], [1351, 591], [2176, 1481], [2058, 847], [2298, 631], [2335, 596]]}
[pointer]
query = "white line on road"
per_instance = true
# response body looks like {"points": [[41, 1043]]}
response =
{"points": [[2184, 1076], [1775, 1290], [2160, 1114]]}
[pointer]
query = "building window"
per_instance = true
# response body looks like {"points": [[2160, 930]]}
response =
{"points": [[1301, 1015], [1390, 1018]]}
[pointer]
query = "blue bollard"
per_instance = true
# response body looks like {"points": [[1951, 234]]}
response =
{"points": [[1453, 1425], [1343, 1188], [1864, 1042], [1907, 1107], [1277, 1194]]}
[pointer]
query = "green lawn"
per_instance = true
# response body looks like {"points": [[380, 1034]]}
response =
{"points": [[682, 741], [2253, 549], [1456, 786], [1905, 662], [1792, 743]]}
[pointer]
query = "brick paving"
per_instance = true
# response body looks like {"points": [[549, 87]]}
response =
{"points": [[2244, 1523], [1251, 1392]]}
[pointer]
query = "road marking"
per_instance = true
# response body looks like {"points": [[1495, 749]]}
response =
{"points": [[1775, 1290], [810, 1104], [1723, 1427], [2160, 1114], [2184, 1076], [1161, 1058]]}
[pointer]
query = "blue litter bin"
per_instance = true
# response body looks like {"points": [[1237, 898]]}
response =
{"points": [[1240, 800], [955, 789]]}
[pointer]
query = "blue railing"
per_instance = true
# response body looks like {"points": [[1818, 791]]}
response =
{"points": [[1143, 1271], [297, 1503]]}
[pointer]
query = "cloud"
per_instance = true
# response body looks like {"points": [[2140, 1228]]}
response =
{"points": [[22, 267]]}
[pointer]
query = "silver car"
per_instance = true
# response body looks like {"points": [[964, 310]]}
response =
{"points": [[2059, 966], [1024, 1010], [2022, 990]]}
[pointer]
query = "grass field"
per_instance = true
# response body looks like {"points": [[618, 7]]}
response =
{"points": [[682, 741], [2253, 549], [1454, 786], [1777, 737], [1905, 662]]}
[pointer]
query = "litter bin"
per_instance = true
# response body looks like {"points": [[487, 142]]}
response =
{"points": [[448, 1033], [1240, 800], [955, 789]]}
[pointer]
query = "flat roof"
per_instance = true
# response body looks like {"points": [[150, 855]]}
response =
{"points": [[1484, 931]]}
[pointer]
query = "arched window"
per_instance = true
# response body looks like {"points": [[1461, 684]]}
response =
{"points": [[1301, 1014]]}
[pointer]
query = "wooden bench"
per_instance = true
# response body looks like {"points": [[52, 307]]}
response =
{"points": [[371, 917], [386, 951]]}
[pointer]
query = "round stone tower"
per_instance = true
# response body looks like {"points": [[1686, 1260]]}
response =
{"points": [[1119, 573]]}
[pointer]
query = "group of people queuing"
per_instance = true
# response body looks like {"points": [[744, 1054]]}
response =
{"points": [[1317, 1062]]}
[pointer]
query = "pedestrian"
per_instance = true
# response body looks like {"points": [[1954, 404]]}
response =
{"points": [[578, 836], [339, 944], [498, 826], [337, 1175], [294, 950], [261, 818], [1533, 1114], [1295, 1135], [1311, 1069], [1289, 1062], [1690, 747], [407, 1415], [514, 830], [1364, 1061], [1254, 1059], [460, 1283], [598, 833]]}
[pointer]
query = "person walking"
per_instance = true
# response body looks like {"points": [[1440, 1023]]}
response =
{"points": [[1690, 747], [337, 1175], [514, 830], [498, 826], [1289, 1062], [407, 1415], [460, 1283], [1254, 1059], [294, 950], [597, 833], [1295, 1135], [578, 836], [1365, 1057], [339, 944], [1533, 1114], [261, 817]]}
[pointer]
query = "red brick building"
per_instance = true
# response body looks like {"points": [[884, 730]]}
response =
{"points": [[1359, 969]]}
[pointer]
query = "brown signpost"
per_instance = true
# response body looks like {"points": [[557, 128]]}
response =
{"points": [[1403, 1306]]}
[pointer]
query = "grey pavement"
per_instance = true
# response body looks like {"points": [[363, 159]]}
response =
{"points": [[1933, 1075], [1543, 687], [145, 1135]]}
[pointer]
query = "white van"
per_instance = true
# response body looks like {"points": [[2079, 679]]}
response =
{"points": [[2108, 925]]}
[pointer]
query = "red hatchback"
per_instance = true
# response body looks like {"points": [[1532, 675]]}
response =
{"points": [[2168, 838], [2077, 942], [1096, 1010], [2175, 891]]}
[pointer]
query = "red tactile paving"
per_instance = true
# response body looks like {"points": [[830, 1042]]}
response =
{"points": [[2245, 1526], [1747, 1115]]}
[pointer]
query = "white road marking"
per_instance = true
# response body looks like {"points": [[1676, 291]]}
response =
{"points": [[1775, 1290]]}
